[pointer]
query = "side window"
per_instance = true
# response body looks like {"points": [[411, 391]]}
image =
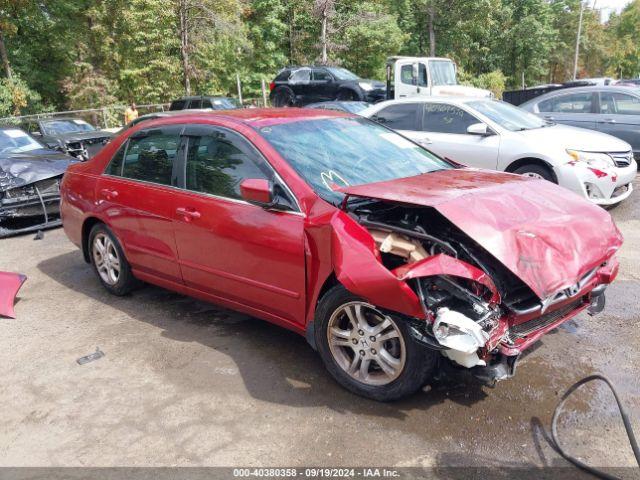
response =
{"points": [[406, 74], [619, 103], [321, 75], [445, 118], [206, 103], [403, 116], [115, 165], [151, 154], [571, 103], [195, 103], [300, 76], [178, 105], [219, 160]]}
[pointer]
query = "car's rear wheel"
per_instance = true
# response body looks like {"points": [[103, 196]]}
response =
{"points": [[108, 260], [369, 352], [535, 171], [284, 97]]}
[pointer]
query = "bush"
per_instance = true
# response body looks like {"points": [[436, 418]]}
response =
{"points": [[493, 81], [16, 98]]}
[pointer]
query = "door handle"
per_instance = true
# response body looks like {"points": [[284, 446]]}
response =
{"points": [[548, 117], [187, 213], [109, 194], [425, 141], [609, 120]]}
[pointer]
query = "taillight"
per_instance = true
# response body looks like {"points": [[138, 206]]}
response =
{"points": [[272, 85]]}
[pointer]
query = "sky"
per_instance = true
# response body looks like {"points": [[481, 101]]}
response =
{"points": [[609, 6]]}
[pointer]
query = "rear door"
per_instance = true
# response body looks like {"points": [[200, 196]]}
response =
{"points": [[620, 116], [403, 117], [135, 196], [445, 132], [228, 248], [577, 109]]}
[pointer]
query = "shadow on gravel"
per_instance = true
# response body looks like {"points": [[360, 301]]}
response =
{"points": [[275, 364]]}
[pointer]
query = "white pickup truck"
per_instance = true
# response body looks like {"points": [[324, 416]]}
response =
{"points": [[426, 76]]}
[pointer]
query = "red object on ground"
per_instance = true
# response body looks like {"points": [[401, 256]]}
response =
{"points": [[10, 283]]}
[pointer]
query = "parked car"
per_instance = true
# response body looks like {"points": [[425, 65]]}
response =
{"points": [[349, 107], [30, 177], [628, 82], [299, 86], [204, 101], [69, 135], [491, 134], [614, 110], [385, 256]]}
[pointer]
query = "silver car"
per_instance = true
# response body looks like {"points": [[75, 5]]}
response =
{"points": [[491, 134], [613, 110]]}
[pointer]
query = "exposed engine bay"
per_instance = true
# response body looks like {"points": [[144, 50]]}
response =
{"points": [[469, 298]]}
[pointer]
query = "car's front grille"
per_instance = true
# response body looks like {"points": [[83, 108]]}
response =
{"points": [[622, 159], [526, 328]]}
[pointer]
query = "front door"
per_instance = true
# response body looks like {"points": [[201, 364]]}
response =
{"points": [[228, 248], [410, 79], [575, 109], [135, 196], [444, 131]]}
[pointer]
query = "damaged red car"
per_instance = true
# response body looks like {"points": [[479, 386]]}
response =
{"points": [[386, 257]]}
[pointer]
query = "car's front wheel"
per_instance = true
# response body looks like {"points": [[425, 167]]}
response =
{"points": [[535, 171], [108, 260], [369, 352]]}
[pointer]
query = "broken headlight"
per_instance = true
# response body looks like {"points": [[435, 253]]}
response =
{"points": [[594, 159], [458, 332]]}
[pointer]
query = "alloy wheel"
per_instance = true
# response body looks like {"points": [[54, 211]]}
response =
{"points": [[106, 259], [366, 344], [533, 175]]}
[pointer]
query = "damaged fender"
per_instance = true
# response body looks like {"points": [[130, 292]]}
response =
{"points": [[10, 283], [443, 264], [357, 266]]}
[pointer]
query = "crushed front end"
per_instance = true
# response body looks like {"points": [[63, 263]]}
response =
{"points": [[479, 314]]}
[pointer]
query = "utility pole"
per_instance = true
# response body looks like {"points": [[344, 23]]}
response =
{"points": [[575, 58]]}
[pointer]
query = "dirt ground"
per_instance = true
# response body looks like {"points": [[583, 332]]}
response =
{"points": [[186, 383]]}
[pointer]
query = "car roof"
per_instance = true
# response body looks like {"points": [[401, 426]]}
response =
{"points": [[449, 99], [588, 88], [47, 119], [257, 117], [198, 97]]}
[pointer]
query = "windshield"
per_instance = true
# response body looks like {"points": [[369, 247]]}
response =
{"points": [[507, 116], [442, 72], [338, 152], [343, 74], [56, 127], [13, 140]]}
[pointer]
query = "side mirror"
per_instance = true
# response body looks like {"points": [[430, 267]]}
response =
{"points": [[257, 191], [479, 129]]}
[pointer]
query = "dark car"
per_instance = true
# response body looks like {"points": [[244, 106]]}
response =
{"points": [[69, 135], [385, 256], [299, 86], [609, 109], [349, 107], [204, 101], [30, 176]]}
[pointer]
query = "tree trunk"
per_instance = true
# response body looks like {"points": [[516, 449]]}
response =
{"points": [[5, 58], [323, 34], [184, 47], [432, 32]]}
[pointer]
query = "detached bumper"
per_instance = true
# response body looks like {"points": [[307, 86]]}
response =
{"points": [[601, 186]]}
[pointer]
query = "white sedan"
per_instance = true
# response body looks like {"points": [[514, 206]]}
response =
{"points": [[491, 134]]}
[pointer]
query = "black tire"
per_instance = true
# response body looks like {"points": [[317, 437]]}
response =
{"points": [[534, 169], [284, 97], [125, 282], [347, 96], [419, 365]]}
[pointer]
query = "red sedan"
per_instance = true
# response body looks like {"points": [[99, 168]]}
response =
{"points": [[384, 255]]}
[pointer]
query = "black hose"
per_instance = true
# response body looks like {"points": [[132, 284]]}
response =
{"points": [[623, 414]]}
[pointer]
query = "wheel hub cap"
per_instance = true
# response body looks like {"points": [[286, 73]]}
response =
{"points": [[106, 259]]}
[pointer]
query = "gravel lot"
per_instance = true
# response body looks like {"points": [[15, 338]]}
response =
{"points": [[186, 383]]}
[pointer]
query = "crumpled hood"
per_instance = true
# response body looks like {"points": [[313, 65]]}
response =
{"points": [[575, 138], [21, 169], [548, 236]]}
